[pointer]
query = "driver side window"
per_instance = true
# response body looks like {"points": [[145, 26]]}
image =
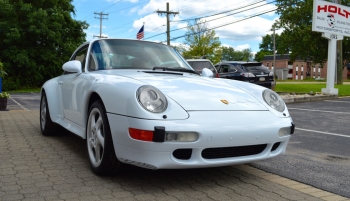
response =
{"points": [[81, 56]]}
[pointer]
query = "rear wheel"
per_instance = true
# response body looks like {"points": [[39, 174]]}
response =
{"points": [[46, 124], [103, 160]]}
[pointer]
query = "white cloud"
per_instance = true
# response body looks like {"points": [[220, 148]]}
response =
{"points": [[157, 24], [234, 27], [242, 47], [126, 22]]}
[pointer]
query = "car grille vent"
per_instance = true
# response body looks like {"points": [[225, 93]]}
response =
{"points": [[275, 146], [182, 154], [229, 152], [139, 164]]}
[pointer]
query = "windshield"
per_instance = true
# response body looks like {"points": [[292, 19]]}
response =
{"points": [[129, 54]]}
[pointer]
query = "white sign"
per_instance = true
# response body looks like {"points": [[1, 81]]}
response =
{"points": [[331, 18]]}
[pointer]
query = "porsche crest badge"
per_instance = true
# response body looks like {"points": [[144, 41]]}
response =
{"points": [[225, 101]]}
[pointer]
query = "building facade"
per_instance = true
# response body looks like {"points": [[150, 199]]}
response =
{"points": [[298, 69]]}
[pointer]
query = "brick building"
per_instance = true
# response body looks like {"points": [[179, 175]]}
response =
{"points": [[299, 69]]}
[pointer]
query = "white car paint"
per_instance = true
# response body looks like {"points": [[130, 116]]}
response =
{"points": [[194, 105]]}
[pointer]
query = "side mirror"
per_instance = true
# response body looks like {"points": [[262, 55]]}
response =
{"points": [[72, 66], [207, 73]]}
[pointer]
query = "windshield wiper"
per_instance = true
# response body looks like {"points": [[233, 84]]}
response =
{"points": [[178, 69]]}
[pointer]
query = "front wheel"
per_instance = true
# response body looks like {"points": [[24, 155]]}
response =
{"points": [[47, 126], [103, 160]]}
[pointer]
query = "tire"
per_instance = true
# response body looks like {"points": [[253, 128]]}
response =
{"points": [[46, 125], [103, 160]]}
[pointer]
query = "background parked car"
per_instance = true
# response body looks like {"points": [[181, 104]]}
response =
{"points": [[199, 64], [253, 72]]}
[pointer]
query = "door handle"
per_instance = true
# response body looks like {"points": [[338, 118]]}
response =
{"points": [[60, 82]]}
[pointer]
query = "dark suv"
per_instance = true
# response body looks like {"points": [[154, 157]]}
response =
{"points": [[253, 72]]}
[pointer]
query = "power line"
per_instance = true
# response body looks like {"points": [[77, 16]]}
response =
{"points": [[255, 15], [221, 12], [210, 20], [108, 31]]}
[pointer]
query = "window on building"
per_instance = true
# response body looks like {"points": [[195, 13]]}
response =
{"points": [[267, 64]]}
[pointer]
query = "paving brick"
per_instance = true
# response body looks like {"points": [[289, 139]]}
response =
{"points": [[34, 167]]}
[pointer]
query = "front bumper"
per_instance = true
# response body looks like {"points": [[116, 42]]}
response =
{"points": [[223, 130]]}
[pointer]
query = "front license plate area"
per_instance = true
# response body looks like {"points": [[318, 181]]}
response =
{"points": [[261, 79]]}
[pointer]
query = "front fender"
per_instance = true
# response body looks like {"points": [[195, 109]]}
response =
{"points": [[256, 91], [52, 95], [119, 97]]}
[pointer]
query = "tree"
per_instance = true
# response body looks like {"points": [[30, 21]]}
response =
{"points": [[227, 53], [244, 55], [267, 47], [37, 37], [202, 42], [296, 19], [259, 56], [298, 37]]}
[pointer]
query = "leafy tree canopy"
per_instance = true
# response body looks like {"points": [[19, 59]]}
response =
{"points": [[37, 37], [230, 54], [201, 42], [298, 37], [267, 46]]}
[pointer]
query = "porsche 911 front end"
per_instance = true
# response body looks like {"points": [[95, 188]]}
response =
{"points": [[224, 125], [141, 103], [205, 139]]}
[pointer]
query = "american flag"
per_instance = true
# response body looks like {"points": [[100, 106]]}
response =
{"points": [[140, 33]]}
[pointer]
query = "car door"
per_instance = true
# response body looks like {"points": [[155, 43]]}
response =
{"points": [[229, 72], [72, 88], [223, 70]]}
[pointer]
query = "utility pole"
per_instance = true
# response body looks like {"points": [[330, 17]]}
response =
{"points": [[167, 12], [274, 54], [339, 71], [101, 14]]}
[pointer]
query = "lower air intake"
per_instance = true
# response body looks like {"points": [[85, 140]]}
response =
{"points": [[182, 154], [275, 146], [230, 152]]}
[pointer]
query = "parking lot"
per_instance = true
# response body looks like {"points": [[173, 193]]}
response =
{"points": [[316, 166]]}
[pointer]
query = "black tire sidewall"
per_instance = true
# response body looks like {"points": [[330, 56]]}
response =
{"points": [[48, 124], [109, 164]]}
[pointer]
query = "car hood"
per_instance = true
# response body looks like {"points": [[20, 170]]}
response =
{"points": [[198, 93]]}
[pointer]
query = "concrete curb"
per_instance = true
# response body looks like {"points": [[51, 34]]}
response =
{"points": [[290, 98]]}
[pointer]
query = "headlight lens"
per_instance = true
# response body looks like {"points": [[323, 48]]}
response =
{"points": [[273, 100], [152, 99]]}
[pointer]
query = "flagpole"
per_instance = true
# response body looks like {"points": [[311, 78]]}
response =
{"points": [[143, 30]]}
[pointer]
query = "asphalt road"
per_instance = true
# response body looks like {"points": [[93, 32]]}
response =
{"points": [[318, 153]]}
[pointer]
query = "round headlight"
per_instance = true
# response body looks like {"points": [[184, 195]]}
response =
{"points": [[151, 99], [273, 100]]}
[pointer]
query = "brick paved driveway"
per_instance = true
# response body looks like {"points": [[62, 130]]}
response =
{"points": [[34, 167]]}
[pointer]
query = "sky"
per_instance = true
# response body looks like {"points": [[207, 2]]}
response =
{"points": [[232, 20]]}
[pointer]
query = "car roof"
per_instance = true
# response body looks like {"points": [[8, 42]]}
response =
{"points": [[197, 60], [240, 62]]}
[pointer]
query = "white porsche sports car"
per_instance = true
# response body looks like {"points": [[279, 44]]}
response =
{"points": [[140, 103]]}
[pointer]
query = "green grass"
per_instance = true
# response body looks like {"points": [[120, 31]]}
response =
{"points": [[343, 90]]}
